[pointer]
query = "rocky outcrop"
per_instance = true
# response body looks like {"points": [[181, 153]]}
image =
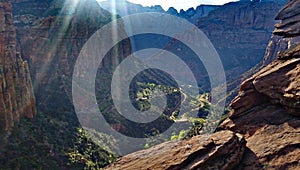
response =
{"points": [[276, 83], [16, 94], [266, 112], [288, 28], [277, 45], [290, 20], [221, 150]]}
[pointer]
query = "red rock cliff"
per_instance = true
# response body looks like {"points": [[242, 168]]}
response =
{"points": [[16, 93]]}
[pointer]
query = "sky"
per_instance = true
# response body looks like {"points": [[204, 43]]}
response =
{"points": [[178, 4]]}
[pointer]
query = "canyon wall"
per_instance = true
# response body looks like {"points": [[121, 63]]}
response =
{"points": [[51, 34], [240, 32], [16, 93]]}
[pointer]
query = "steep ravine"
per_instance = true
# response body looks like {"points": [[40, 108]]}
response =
{"points": [[264, 122], [262, 131]]}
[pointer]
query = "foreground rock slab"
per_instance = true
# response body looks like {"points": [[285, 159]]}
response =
{"points": [[221, 150], [267, 111], [272, 136]]}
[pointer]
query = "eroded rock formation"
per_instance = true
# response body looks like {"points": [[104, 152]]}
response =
{"points": [[265, 113], [266, 110], [288, 28], [16, 93], [278, 44], [289, 25]]}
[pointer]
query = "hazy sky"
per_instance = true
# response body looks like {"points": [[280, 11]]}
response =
{"points": [[178, 4]]}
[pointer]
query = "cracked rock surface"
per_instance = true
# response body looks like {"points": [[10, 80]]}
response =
{"points": [[221, 150]]}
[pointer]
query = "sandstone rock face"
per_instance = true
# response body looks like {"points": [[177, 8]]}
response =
{"points": [[222, 150], [278, 44], [288, 28], [264, 112], [276, 83], [290, 20], [16, 94], [272, 137]]}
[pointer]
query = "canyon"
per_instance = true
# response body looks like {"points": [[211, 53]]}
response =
{"points": [[240, 32], [262, 131], [39, 45]]}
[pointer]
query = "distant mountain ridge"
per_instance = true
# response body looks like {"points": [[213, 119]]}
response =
{"points": [[124, 7]]}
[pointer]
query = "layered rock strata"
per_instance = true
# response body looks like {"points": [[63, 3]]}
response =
{"points": [[16, 93]]}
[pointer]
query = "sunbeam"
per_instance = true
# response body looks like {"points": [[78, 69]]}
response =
{"points": [[58, 29]]}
